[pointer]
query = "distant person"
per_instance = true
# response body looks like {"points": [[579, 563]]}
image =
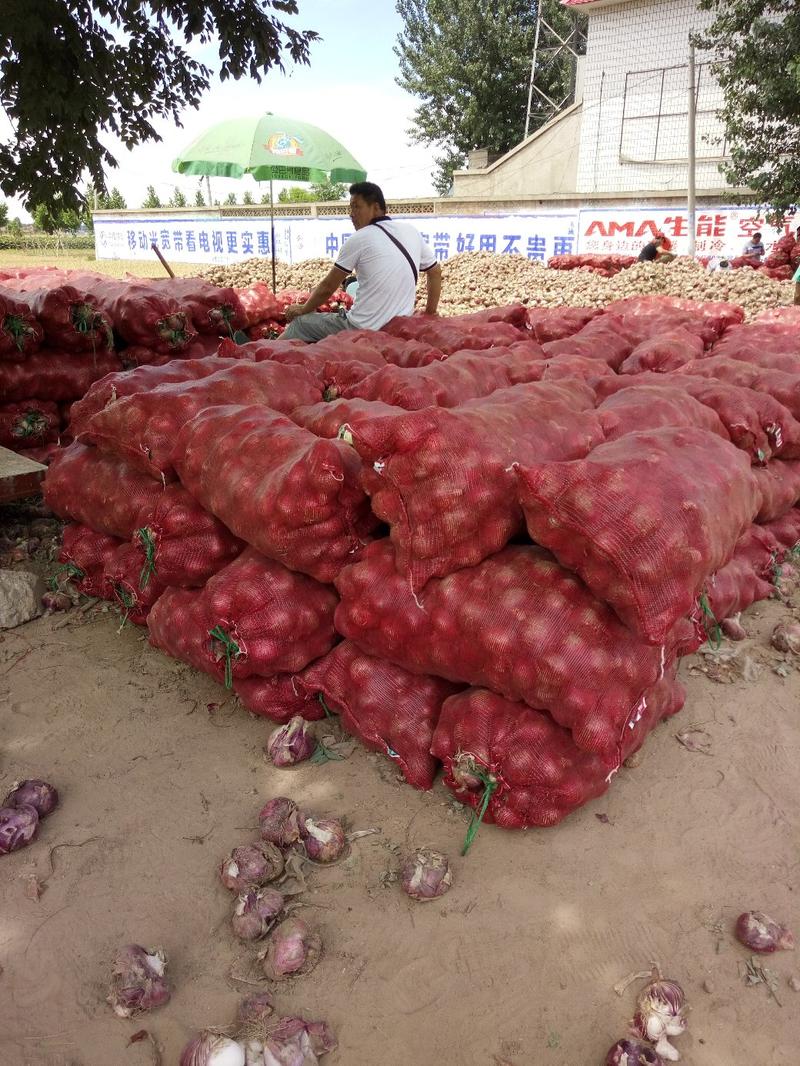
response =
{"points": [[754, 249], [387, 256], [654, 249], [720, 264], [796, 280]]}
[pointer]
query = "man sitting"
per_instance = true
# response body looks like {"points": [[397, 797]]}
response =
{"points": [[387, 256]]}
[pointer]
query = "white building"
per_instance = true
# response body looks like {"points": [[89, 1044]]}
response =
{"points": [[626, 135]]}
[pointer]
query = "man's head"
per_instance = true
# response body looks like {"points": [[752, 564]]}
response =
{"points": [[756, 238], [366, 203], [658, 239]]}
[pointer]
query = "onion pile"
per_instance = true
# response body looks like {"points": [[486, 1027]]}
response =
{"points": [[289, 1041], [292, 743], [138, 981]]}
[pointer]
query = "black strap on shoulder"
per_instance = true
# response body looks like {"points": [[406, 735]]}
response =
{"points": [[397, 244]]}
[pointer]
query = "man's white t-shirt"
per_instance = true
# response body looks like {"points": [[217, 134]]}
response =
{"points": [[387, 284]]}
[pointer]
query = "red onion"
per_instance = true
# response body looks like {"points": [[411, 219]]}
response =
{"points": [[291, 743], [733, 628], [305, 1038], [212, 1049], [630, 1052], [251, 865], [255, 911], [293, 949], [56, 601], [324, 839], [18, 827], [425, 875], [138, 981], [256, 1009], [280, 821], [659, 1015], [786, 637], [763, 934], [33, 793]]}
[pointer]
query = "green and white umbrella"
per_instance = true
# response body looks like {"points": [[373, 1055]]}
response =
{"points": [[270, 148]]}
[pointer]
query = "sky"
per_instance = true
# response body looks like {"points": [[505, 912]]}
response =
{"points": [[348, 89]]}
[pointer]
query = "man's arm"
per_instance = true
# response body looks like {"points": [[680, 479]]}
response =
{"points": [[323, 292], [433, 281]]}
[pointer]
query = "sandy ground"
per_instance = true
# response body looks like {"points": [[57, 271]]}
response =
{"points": [[516, 965]]}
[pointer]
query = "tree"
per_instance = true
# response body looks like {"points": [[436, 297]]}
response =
{"points": [[49, 220], [470, 66], [328, 190], [178, 199], [295, 195], [230, 199], [70, 73], [3, 214], [151, 200], [116, 201], [756, 44], [199, 200], [247, 199]]}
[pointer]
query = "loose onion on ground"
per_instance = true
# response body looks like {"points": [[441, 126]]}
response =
{"points": [[293, 949], [33, 793], [324, 839], [138, 981], [279, 820], [255, 912], [18, 827], [632, 1052], [292, 743], [763, 934], [212, 1049], [425, 875], [251, 864]]}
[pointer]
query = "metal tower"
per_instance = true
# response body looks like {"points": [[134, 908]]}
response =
{"points": [[550, 46]]}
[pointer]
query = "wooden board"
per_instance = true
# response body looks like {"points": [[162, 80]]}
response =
{"points": [[19, 477]]}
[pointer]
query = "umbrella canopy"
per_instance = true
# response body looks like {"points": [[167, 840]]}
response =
{"points": [[271, 148]]}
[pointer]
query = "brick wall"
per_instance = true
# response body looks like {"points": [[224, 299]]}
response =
{"points": [[634, 130]]}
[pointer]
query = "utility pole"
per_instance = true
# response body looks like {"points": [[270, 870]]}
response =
{"points": [[690, 177], [208, 189]]}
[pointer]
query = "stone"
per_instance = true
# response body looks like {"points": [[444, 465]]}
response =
{"points": [[20, 597]]}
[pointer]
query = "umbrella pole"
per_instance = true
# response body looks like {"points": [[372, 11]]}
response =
{"points": [[272, 239]]}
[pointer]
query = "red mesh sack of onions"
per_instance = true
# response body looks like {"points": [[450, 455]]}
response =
{"points": [[651, 326], [464, 376], [83, 556], [98, 490], [575, 367], [327, 418], [20, 333], [279, 698], [422, 327], [733, 589], [644, 407], [142, 379], [143, 315], [121, 583], [778, 335], [786, 529], [257, 303], [179, 543], [142, 428], [748, 416], [443, 479], [779, 485], [644, 519], [253, 617], [28, 424], [518, 624], [782, 388], [332, 374], [70, 317], [555, 323], [55, 375], [666, 352], [295, 497], [389, 709], [721, 316], [533, 770], [395, 350], [603, 338], [211, 308]]}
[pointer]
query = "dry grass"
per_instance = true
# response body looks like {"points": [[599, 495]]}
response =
{"points": [[85, 260]]}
